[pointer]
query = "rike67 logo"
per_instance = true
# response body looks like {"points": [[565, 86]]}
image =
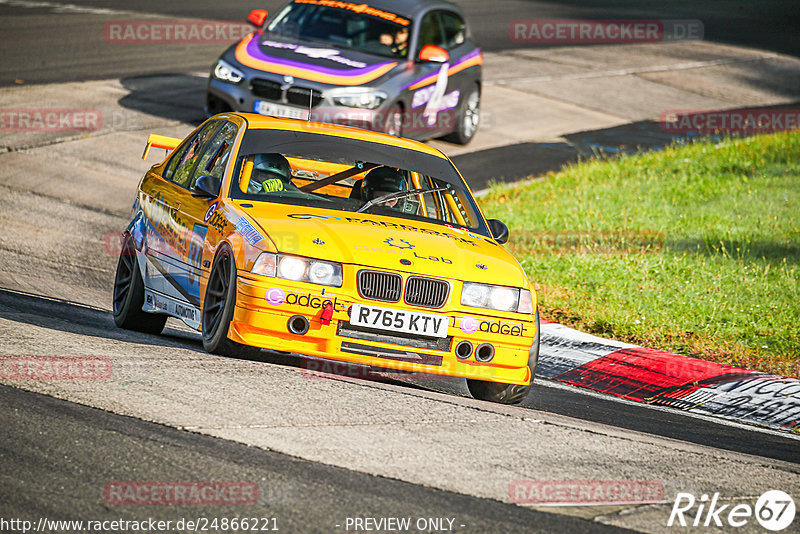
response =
{"points": [[774, 511]]}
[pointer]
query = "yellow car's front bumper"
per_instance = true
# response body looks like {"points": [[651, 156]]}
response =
{"points": [[264, 308]]}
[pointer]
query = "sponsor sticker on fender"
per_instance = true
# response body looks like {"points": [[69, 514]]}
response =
{"points": [[276, 296], [470, 325]]}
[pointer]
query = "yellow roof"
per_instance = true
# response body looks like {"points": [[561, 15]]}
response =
{"points": [[265, 122]]}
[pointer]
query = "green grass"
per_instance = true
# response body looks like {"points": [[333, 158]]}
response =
{"points": [[695, 249]]}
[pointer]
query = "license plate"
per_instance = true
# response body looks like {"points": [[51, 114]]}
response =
{"points": [[410, 322], [279, 110]]}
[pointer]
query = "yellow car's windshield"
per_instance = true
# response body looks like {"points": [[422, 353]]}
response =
{"points": [[388, 184]]}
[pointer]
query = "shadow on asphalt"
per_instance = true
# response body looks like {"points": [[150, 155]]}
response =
{"points": [[75, 318], [169, 96]]}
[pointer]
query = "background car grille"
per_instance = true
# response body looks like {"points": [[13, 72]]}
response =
{"points": [[273, 91], [379, 286], [426, 292], [266, 89], [299, 96]]}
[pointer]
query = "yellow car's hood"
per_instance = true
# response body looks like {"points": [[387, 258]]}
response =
{"points": [[386, 243]]}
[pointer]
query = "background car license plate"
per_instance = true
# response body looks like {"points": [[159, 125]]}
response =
{"points": [[410, 322], [278, 110]]}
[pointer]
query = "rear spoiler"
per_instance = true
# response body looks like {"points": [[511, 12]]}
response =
{"points": [[160, 141]]}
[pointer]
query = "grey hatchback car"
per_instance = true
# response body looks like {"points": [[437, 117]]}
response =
{"points": [[404, 67]]}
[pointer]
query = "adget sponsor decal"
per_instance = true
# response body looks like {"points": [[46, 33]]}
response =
{"points": [[277, 296], [470, 325]]}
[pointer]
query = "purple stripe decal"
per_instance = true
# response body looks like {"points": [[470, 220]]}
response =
{"points": [[255, 52], [475, 53]]}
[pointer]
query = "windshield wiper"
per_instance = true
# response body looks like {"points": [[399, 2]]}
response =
{"points": [[397, 195]]}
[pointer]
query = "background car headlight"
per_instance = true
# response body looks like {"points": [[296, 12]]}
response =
{"points": [[501, 298], [299, 269], [354, 98], [227, 73]]}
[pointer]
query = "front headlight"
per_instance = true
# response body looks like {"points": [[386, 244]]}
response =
{"points": [[500, 298], [227, 73], [299, 269], [354, 97]]}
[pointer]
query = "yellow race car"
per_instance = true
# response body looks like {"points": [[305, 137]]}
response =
{"points": [[327, 241]]}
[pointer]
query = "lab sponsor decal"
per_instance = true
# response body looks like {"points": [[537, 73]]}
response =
{"points": [[398, 252], [247, 231]]}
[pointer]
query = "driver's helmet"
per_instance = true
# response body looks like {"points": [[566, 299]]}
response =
{"points": [[271, 172], [382, 181]]}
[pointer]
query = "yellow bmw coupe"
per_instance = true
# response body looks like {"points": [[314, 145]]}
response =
{"points": [[328, 241]]}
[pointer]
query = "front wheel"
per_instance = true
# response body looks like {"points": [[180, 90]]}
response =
{"points": [[218, 307], [508, 393], [129, 294], [468, 119]]}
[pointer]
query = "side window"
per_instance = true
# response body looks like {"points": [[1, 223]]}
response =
{"points": [[455, 30], [179, 169], [430, 31], [215, 154]]}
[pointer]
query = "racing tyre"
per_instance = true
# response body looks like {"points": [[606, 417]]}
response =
{"points": [[508, 393], [468, 119], [218, 308], [129, 294]]}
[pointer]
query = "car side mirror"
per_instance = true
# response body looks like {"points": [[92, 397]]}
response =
{"points": [[499, 230], [434, 54], [206, 186], [257, 17]]}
